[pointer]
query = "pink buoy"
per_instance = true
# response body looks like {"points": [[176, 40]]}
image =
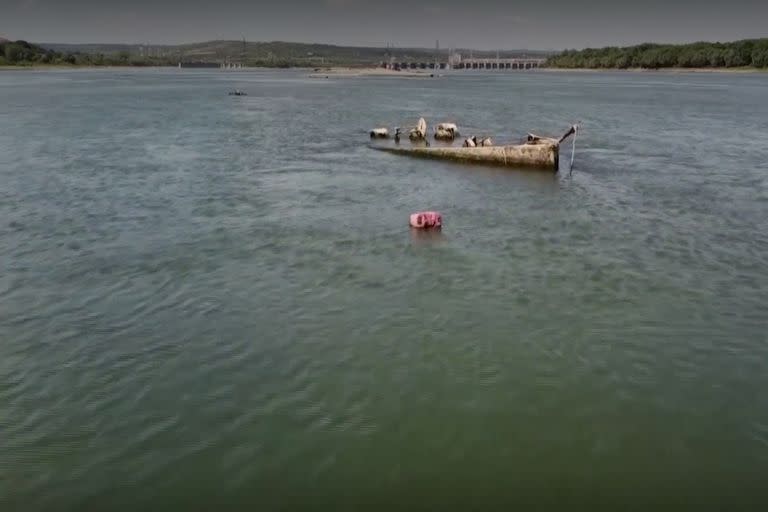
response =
{"points": [[426, 220]]}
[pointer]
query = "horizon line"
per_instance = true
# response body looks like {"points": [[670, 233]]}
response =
{"points": [[383, 47]]}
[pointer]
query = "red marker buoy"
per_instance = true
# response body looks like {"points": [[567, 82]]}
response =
{"points": [[426, 220]]}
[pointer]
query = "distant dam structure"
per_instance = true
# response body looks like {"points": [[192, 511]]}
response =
{"points": [[509, 64], [212, 65]]}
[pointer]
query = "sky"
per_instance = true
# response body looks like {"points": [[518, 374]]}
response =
{"points": [[480, 24]]}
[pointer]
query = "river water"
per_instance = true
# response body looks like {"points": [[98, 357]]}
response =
{"points": [[209, 300]]}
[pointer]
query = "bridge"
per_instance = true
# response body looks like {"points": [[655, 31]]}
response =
{"points": [[470, 64]]}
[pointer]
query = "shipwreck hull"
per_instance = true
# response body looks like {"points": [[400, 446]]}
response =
{"points": [[544, 156]]}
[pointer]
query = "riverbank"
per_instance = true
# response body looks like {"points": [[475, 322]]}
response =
{"points": [[369, 72], [340, 72], [349, 72], [740, 70], [75, 67]]}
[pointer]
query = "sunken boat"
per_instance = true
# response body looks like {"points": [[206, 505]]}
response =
{"points": [[535, 152]]}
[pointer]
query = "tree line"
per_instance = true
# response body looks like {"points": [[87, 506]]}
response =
{"points": [[746, 53], [22, 53]]}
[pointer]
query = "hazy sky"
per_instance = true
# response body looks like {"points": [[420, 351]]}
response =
{"points": [[482, 24]]}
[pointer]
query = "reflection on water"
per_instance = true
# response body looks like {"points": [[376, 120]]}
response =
{"points": [[427, 235]]}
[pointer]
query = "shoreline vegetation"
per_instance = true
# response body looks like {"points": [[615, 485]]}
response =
{"points": [[737, 55], [371, 71], [22, 54], [672, 70], [746, 56], [274, 54]]}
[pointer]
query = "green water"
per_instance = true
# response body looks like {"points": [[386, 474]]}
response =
{"points": [[215, 302]]}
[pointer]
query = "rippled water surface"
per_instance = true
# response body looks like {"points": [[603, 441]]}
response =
{"points": [[210, 300]]}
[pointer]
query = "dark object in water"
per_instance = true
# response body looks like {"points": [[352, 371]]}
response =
{"points": [[238, 92]]}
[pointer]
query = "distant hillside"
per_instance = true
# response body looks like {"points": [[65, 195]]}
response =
{"points": [[275, 53], [252, 54], [749, 52], [94, 48]]}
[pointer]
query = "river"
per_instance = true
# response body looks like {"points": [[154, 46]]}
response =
{"points": [[209, 300]]}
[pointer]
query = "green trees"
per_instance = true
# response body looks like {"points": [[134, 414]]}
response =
{"points": [[733, 59], [12, 53], [760, 53], [750, 52], [22, 53]]}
